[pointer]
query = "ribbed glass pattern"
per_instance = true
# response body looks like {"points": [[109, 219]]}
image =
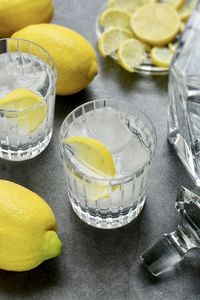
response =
{"points": [[23, 132], [115, 202]]}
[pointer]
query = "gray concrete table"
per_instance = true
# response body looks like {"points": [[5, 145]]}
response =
{"points": [[98, 264]]}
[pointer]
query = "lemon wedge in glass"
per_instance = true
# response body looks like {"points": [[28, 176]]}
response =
{"points": [[131, 54], [129, 5], [115, 17], [111, 39], [93, 154], [156, 24], [161, 56], [28, 108]]}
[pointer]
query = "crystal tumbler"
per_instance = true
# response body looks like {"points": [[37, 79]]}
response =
{"points": [[131, 139], [27, 99]]}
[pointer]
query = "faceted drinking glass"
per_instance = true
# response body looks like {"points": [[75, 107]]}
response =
{"points": [[131, 139], [27, 99]]}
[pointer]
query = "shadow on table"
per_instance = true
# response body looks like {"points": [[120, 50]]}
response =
{"points": [[127, 80], [26, 283]]}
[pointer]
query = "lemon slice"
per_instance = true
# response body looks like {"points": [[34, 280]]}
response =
{"points": [[161, 56], [175, 3], [93, 154], [156, 24], [111, 39], [172, 47], [131, 54], [21, 100], [182, 27], [114, 17], [129, 5], [186, 11]]}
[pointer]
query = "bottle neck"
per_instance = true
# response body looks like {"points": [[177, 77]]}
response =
{"points": [[182, 240], [168, 251]]}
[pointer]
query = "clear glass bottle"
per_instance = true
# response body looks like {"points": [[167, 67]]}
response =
{"points": [[171, 248], [184, 98]]}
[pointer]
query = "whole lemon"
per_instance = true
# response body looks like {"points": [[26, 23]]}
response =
{"points": [[74, 57], [17, 14], [27, 229]]}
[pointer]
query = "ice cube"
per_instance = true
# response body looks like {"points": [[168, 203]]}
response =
{"points": [[134, 156], [78, 127], [24, 73], [4, 82], [105, 125]]}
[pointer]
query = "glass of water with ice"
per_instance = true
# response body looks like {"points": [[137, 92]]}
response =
{"points": [[27, 99], [131, 139]]}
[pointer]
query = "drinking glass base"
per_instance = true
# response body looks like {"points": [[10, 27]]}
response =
{"points": [[13, 154], [110, 222]]}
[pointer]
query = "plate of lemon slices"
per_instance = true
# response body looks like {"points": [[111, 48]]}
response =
{"points": [[142, 35]]}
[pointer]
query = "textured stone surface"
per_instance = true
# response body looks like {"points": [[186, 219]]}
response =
{"points": [[97, 264]]}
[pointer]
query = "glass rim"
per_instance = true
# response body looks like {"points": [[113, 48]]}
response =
{"points": [[111, 181], [43, 99]]}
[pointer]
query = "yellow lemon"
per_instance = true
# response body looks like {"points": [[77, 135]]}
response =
{"points": [[131, 54], [27, 229], [75, 58], [156, 24], [30, 109], [17, 14], [93, 154]]}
